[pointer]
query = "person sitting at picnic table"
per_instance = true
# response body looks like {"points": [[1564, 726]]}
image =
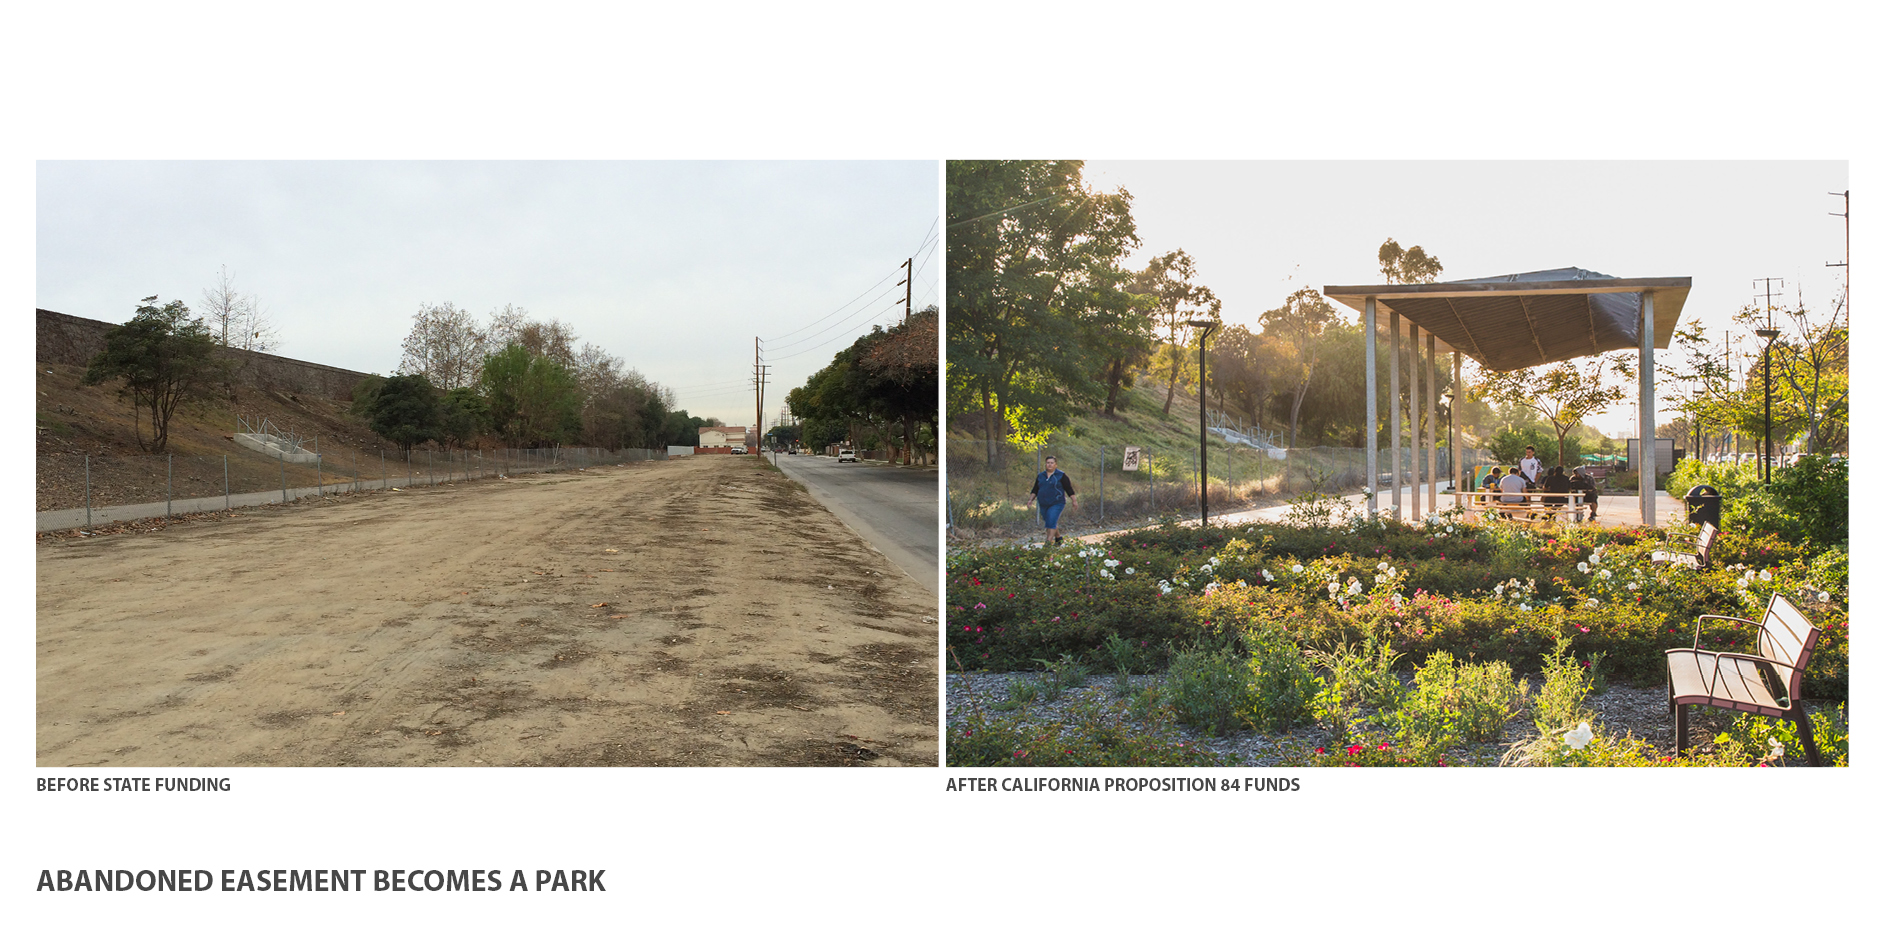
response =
{"points": [[1530, 466], [1491, 479], [1555, 482], [1583, 482], [1513, 486]]}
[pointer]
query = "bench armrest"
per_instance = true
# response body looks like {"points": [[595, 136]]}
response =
{"points": [[1696, 643]]}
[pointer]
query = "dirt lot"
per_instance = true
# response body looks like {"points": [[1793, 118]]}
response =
{"points": [[699, 612]]}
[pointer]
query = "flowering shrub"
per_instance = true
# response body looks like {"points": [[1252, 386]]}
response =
{"points": [[1484, 595]]}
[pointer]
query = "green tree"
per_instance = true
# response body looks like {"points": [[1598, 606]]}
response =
{"points": [[405, 411], [1301, 325], [464, 415], [532, 401], [1407, 265], [1562, 393], [1027, 244], [1178, 301], [163, 356]]}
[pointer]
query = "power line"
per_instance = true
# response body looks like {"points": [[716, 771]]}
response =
{"points": [[833, 338], [833, 312]]}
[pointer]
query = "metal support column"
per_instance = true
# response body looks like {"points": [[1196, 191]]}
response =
{"points": [[1371, 318], [1431, 421], [1457, 399], [1392, 414], [1646, 427], [1414, 472]]}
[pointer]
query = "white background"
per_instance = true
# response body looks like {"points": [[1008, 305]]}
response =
{"points": [[1613, 80]]}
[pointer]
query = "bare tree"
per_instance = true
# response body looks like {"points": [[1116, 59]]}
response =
{"points": [[504, 324], [444, 345], [237, 320]]}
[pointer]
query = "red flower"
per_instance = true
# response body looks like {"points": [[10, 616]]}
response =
{"points": [[1354, 750]]}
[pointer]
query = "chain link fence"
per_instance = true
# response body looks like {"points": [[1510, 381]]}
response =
{"points": [[992, 495], [78, 491]]}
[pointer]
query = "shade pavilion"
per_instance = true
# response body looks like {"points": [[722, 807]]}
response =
{"points": [[1508, 323]]}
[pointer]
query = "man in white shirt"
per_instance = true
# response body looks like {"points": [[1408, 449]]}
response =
{"points": [[1532, 468]]}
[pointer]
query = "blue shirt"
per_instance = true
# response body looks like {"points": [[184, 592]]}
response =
{"points": [[1049, 488]]}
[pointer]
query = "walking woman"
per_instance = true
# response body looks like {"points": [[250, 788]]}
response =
{"points": [[1052, 491]]}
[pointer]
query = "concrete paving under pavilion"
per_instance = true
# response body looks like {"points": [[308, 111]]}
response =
{"points": [[1503, 324]]}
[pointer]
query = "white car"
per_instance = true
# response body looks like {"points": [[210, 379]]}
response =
{"points": [[847, 456]]}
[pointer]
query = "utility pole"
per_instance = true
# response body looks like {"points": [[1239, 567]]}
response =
{"points": [[758, 393], [1767, 379], [907, 290], [1847, 232]]}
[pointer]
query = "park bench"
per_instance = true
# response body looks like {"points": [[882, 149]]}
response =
{"points": [[1700, 556], [1766, 682]]}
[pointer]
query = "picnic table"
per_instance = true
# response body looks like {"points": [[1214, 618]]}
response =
{"points": [[1537, 505]]}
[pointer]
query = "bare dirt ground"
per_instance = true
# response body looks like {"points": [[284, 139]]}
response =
{"points": [[698, 612]]}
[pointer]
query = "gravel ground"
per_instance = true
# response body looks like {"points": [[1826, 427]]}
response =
{"points": [[1639, 711]]}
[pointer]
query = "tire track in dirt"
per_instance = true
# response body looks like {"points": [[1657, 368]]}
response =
{"points": [[695, 612]]}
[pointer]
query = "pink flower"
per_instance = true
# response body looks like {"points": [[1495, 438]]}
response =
{"points": [[981, 605]]}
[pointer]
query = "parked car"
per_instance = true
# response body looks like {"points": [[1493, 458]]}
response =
{"points": [[847, 456], [738, 450]]}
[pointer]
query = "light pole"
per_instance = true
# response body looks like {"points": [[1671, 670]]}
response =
{"points": [[1205, 325], [1767, 409]]}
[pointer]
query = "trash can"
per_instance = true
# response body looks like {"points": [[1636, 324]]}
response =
{"points": [[1703, 505]]}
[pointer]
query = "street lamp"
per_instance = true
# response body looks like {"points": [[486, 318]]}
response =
{"points": [[1767, 411], [1205, 325]]}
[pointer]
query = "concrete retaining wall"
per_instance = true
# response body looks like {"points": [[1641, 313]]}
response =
{"points": [[68, 339]]}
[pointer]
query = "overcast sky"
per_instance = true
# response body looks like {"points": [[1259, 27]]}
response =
{"points": [[1260, 230], [672, 266]]}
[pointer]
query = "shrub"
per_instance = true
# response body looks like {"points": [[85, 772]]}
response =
{"points": [[1096, 739], [1777, 741], [1207, 688], [1281, 687], [1451, 703]]}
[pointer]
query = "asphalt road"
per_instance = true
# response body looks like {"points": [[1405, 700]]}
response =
{"points": [[895, 509]]}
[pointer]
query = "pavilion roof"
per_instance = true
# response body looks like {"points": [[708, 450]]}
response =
{"points": [[1529, 319]]}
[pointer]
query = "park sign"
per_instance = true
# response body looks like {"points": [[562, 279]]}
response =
{"points": [[1131, 458]]}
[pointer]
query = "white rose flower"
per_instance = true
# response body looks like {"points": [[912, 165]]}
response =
{"points": [[1332, 588], [1631, 587], [1583, 567], [1591, 602], [1298, 569], [1111, 563], [1130, 571], [1822, 596], [1595, 559], [1579, 738], [1105, 574]]}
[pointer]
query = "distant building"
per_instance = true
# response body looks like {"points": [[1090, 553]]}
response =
{"points": [[725, 436]]}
